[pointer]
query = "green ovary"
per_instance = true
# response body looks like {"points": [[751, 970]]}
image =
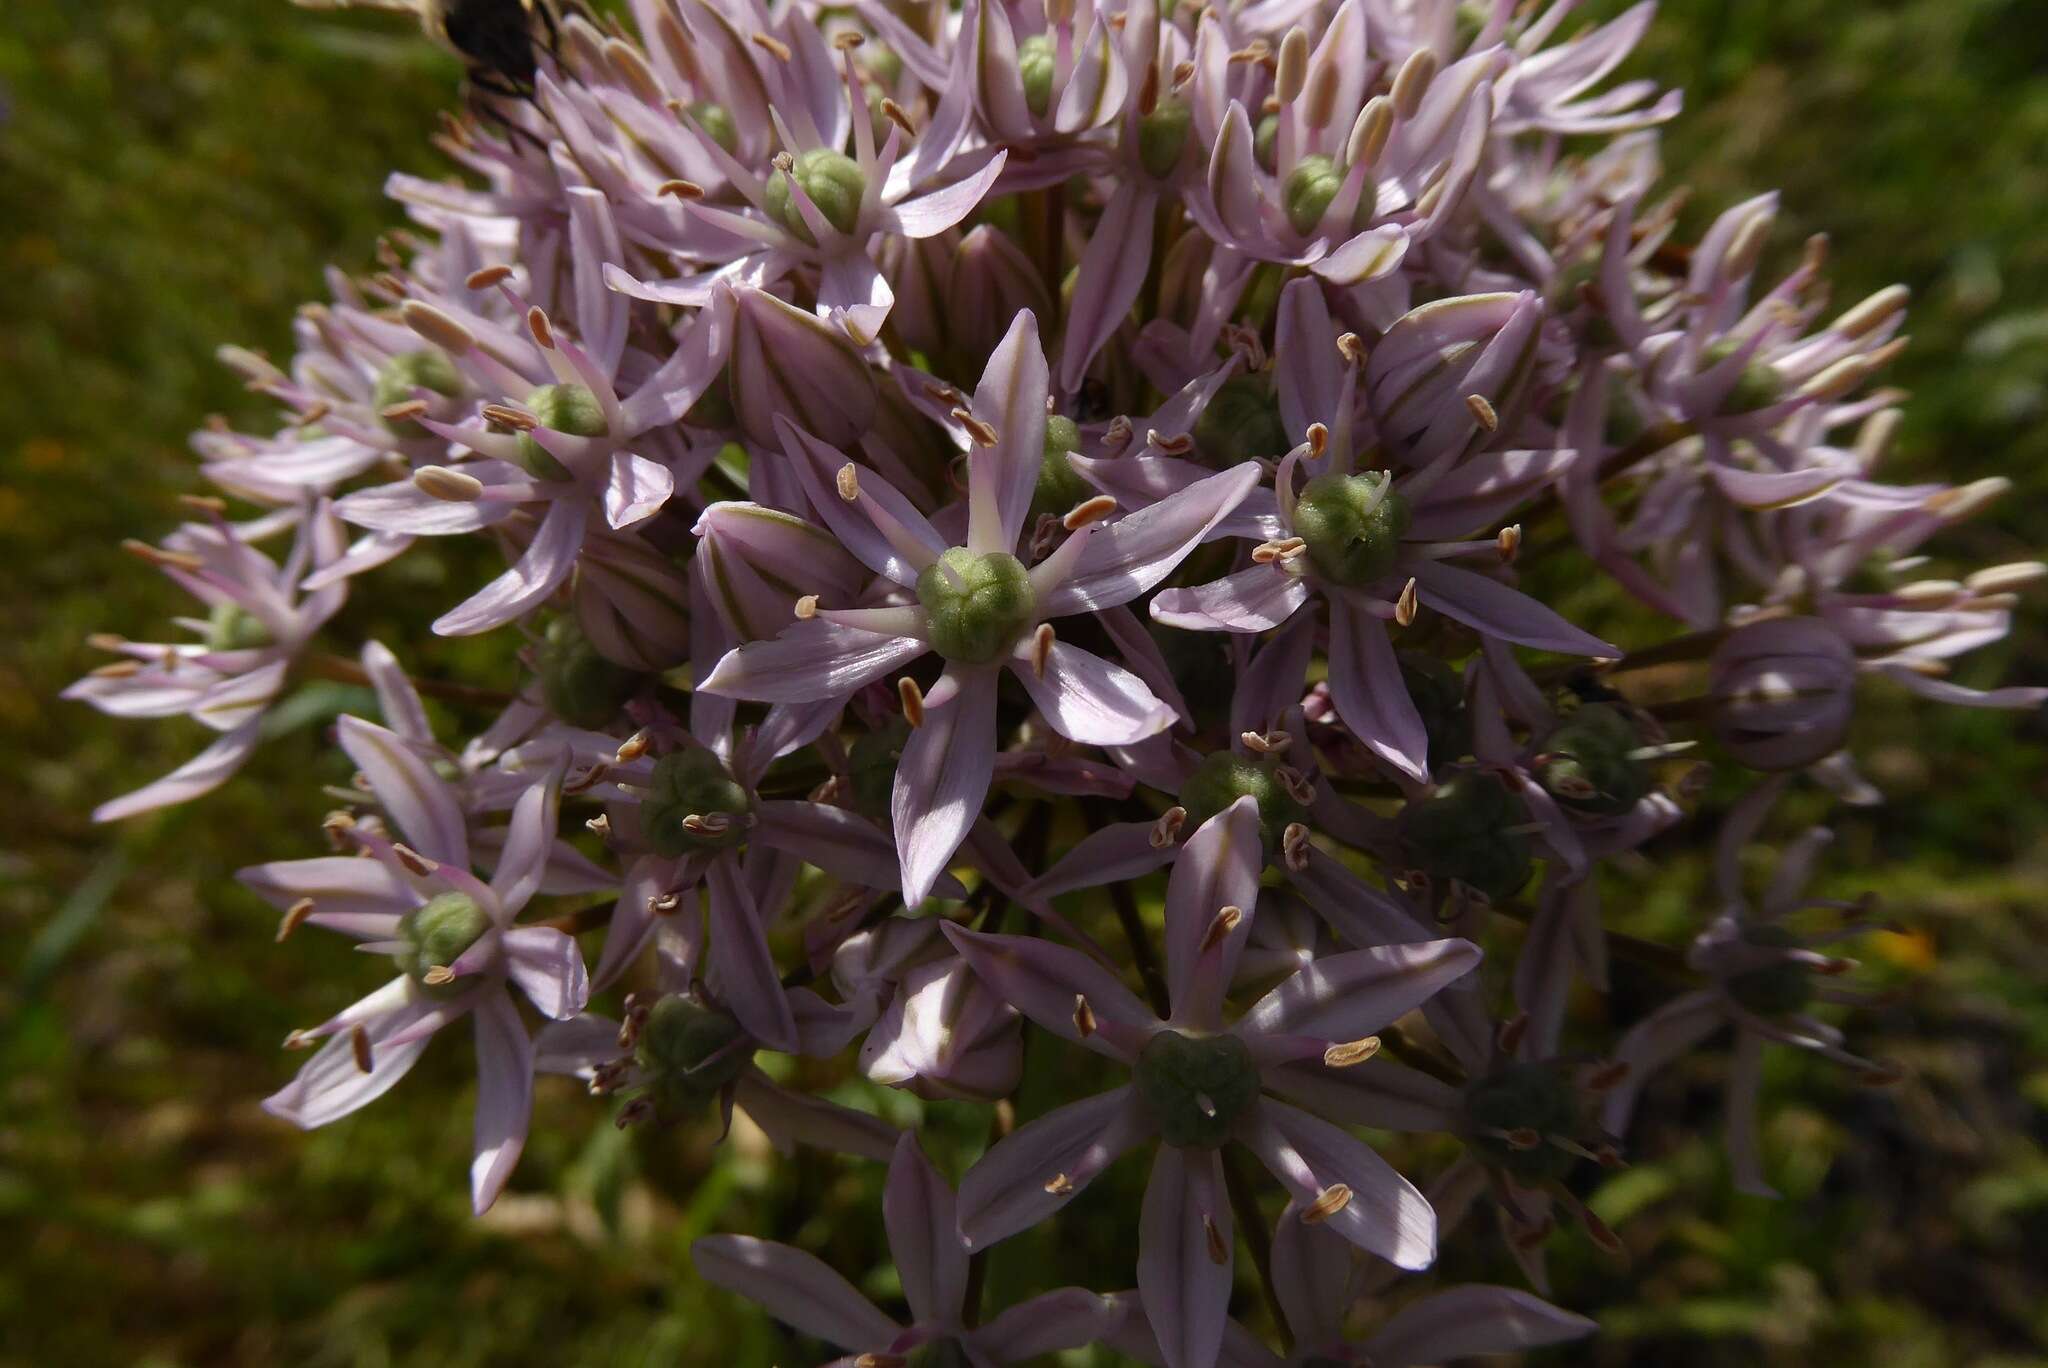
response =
{"points": [[832, 180], [977, 605], [1195, 1087], [436, 935], [693, 783], [1353, 525], [570, 409]]}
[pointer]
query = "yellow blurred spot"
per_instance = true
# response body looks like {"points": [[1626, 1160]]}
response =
{"points": [[1912, 950], [42, 453], [12, 506]]}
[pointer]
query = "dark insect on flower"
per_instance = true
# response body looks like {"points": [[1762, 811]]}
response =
{"points": [[494, 39]]}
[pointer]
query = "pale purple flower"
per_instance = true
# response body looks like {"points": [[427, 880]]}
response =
{"points": [[919, 1210], [949, 760], [258, 623], [1197, 1084], [419, 901]]}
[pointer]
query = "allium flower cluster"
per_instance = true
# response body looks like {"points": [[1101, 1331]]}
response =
{"points": [[1030, 521]]}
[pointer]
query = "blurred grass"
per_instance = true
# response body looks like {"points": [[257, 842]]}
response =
{"points": [[174, 175]]}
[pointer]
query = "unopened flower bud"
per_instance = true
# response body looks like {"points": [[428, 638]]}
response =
{"points": [[1353, 525], [977, 605], [788, 361], [1420, 375]]}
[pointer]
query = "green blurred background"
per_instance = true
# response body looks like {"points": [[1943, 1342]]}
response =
{"points": [[175, 173]]}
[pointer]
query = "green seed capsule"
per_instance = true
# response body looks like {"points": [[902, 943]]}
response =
{"points": [[1036, 66], [1163, 135], [1588, 763], [1241, 423], [1778, 989], [231, 627], [570, 409], [436, 935], [979, 609], [1522, 1097], [694, 784], [409, 371], [689, 1054], [580, 686], [1352, 528], [1195, 1087], [716, 120], [1462, 833], [832, 180], [1309, 189], [1223, 778], [1059, 487]]}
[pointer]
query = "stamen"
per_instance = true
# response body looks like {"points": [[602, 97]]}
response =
{"points": [[300, 1040], [680, 189], [537, 324], [893, 112], [600, 825], [771, 45], [1351, 348], [848, 482], [1292, 72], [1297, 785], [1346, 1054], [634, 746], [1318, 437], [359, 1045], [1999, 579], [1084, 1017], [912, 699], [1370, 131], [1510, 543], [156, 555], [1874, 312], [846, 40], [438, 975], [1088, 511], [1266, 743], [1319, 97], [294, 917], [414, 861], [1041, 649], [120, 669], [1294, 846], [981, 433], [1483, 412], [1059, 1185], [1413, 81], [1406, 606], [1333, 1200], [452, 486], [1221, 925], [1179, 444], [1166, 831], [806, 607], [487, 277], [505, 416], [1219, 1251], [1287, 548]]}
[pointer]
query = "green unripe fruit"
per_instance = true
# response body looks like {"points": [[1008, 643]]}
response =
{"points": [[231, 627], [717, 121], [977, 606], [1775, 990], [1059, 487], [1588, 763], [1438, 692], [1241, 423], [1759, 386], [1353, 525], [436, 935], [1195, 1087], [871, 767], [1266, 142], [1309, 189], [408, 371], [942, 1353], [1163, 135], [1522, 1097], [689, 1054], [570, 409], [694, 783], [1036, 66], [832, 180], [580, 686], [1223, 778], [1462, 833]]}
